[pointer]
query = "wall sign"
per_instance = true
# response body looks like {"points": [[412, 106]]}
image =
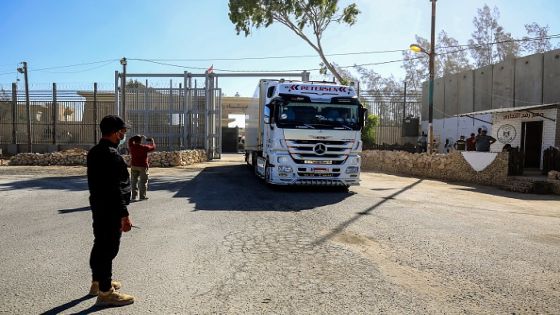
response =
{"points": [[516, 115], [506, 134]]}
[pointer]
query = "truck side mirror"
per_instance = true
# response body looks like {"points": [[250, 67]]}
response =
{"points": [[363, 116], [269, 119]]}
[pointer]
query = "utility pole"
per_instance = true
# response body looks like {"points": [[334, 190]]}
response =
{"points": [[23, 70], [431, 92], [123, 89]]}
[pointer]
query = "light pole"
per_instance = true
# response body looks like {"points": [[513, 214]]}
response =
{"points": [[123, 89], [23, 70], [431, 54]]}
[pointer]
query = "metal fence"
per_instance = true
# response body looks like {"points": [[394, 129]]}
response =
{"points": [[392, 111], [177, 118], [53, 117]]}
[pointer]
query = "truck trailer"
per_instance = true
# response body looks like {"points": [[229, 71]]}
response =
{"points": [[305, 133]]}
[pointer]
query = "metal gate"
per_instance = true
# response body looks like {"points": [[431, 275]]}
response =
{"points": [[177, 118], [183, 117]]}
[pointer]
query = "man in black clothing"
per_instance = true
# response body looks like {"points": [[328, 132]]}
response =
{"points": [[109, 187]]}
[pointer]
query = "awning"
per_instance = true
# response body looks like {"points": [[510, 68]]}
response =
{"points": [[510, 109]]}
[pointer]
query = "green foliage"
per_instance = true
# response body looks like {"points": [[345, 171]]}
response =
{"points": [[134, 84], [297, 15], [368, 133]]}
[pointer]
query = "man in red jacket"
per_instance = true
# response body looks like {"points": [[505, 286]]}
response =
{"points": [[139, 164]]}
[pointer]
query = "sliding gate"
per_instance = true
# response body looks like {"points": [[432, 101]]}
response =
{"points": [[181, 116]]}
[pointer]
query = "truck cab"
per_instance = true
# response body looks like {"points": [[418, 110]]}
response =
{"points": [[306, 133]]}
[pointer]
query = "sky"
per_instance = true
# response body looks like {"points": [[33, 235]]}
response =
{"points": [[76, 43]]}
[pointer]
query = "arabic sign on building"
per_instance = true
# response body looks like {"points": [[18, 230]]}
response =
{"points": [[518, 115]]}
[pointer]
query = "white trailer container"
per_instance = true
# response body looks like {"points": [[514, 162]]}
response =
{"points": [[305, 133]]}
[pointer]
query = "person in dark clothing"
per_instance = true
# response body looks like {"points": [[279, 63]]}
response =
{"points": [[109, 187], [484, 141], [139, 164], [460, 144], [471, 143]]}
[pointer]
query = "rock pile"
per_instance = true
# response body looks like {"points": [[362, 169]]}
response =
{"points": [[450, 166], [553, 175], [78, 157], [68, 157]]}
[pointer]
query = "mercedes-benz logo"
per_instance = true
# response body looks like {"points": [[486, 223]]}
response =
{"points": [[320, 148]]}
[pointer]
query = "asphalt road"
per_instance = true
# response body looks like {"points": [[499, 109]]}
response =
{"points": [[214, 239]]}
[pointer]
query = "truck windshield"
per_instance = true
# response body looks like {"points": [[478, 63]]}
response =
{"points": [[318, 116]]}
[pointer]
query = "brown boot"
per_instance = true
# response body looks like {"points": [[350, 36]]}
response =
{"points": [[94, 289], [113, 298]]}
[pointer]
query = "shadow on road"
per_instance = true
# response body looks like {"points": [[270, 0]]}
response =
{"points": [[355, 218], [61, 308], [68, 183], [80, 209], [236, 188], [508, 194]]}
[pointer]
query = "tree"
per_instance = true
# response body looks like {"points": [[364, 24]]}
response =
{"points": [[368, 133], [451, 57], [490, 43], [300, 16], [416, 65], [537, 40]]}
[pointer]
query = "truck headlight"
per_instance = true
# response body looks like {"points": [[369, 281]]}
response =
{"points": [[284, 169], [354, 160], [352, 170], [283, 159]]}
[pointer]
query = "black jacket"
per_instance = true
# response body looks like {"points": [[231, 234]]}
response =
{"points": [[108, 181]]}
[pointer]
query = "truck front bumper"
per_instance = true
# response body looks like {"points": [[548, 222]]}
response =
{"points": [[290, 173]]}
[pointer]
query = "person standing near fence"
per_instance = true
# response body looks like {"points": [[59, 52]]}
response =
{"points": [[139, 165], [109, 187]]}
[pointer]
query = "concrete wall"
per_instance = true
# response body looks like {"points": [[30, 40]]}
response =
{"points": [[529, 80], [551, 77], [448, 167], [483, 88], [465, 86], [425, 100], [451, 97], [523, 81], [439, 98], [503, 84]]}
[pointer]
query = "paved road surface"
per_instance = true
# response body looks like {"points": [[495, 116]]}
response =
{"points": [[213, 239]]}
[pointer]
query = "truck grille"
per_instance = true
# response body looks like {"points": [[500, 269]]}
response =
{"points": [[319, 151]]}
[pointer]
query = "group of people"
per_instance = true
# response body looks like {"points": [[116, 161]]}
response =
{"points": [[480, 142], [111, 189]]}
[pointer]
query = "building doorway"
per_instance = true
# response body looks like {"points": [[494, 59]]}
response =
{"points": [[531, 143]]}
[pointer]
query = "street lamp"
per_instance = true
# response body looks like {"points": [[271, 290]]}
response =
{"points": [[123, 88], [431, 54]]}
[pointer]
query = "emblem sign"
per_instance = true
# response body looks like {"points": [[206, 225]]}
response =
{"points": [[506, 134], [320, 149]]}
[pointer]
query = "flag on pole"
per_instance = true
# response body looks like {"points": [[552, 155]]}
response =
{"points": [[211, 69]]}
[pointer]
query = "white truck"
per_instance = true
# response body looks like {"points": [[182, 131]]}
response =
{"points": [[305, 133]]}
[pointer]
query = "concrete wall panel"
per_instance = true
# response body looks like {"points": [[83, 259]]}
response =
{"points": [[503, 84], [465, 93], [551, 78], [439, 98], [529, 80], [451, 95], [483, 88]]}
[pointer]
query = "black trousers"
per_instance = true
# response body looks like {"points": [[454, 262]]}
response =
{"points": [[105, 248]]}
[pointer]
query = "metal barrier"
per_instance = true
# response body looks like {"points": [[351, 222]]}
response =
{"points": [[392, 112]]}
